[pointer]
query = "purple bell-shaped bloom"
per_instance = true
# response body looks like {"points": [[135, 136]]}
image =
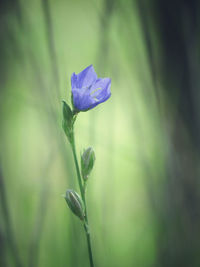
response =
{"points": [[88, 91]]}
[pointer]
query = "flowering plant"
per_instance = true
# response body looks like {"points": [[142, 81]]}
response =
{"points": [[88, 91]]}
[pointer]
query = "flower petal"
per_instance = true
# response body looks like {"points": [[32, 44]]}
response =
{"points": [[101, 89], [82, 100], [86, 77], [73, 80], [88, 91]]}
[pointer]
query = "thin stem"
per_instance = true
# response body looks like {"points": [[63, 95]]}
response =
{"points": [[89, 245], [77, 167], [82, 190]]}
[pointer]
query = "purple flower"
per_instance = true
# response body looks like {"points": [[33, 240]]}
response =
{"points": [[88, 91]]}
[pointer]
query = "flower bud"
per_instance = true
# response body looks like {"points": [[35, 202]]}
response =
{"points": [[75, 203], [87, 162], [67, 123]]}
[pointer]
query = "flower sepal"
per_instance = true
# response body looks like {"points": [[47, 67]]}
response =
{"points": [[68, 121]]}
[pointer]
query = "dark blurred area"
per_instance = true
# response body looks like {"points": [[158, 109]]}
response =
{"points": [[177, 26], [170, 32]]}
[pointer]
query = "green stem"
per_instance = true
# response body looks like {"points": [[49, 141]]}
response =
{"points": [[82, 190], [77, 167], [89, 244]]}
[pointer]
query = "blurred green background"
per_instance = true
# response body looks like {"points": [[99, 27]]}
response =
{"points": [[143, 195]]}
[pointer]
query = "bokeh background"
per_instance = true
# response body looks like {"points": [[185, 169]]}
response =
{"points": [[144, 193]]}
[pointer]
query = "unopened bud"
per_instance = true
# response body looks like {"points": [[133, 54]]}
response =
{"points": [[75, 203], [87, 162]]}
